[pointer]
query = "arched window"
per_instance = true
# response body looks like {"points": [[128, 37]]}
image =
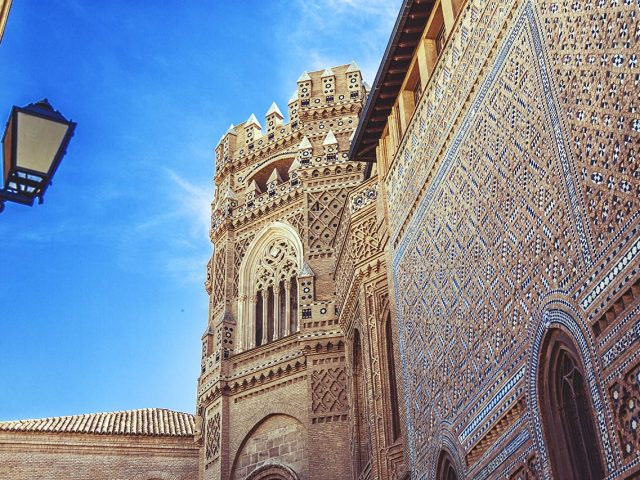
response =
{"points": [[393, 387], [445, 469], [567, 418], [268, 302], [362, 437]]}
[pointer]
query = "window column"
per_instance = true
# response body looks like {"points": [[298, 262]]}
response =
{"points": [[265, 316], [259, 314], [276, 312], [294, 305], [287, 308]]}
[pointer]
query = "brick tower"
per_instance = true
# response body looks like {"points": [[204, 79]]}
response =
{"points": [[273, 383]]}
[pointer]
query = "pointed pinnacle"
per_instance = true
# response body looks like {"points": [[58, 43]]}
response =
{"points": [[353, 67], [274, 109], [252, 120], [304, 77], [330, 139], [275, 176], [305, 144]]}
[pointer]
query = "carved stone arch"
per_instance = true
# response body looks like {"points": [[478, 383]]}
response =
{"points": [[448, 463], [154, 475], [558, 324], [257, 417], [256, 425], [259, 269], [273, 472]]}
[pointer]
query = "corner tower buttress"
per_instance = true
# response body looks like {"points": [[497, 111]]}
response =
{"points": [[272, 353]]}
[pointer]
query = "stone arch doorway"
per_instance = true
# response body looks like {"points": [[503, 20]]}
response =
{"points": [[566, 410], [273, 472]]}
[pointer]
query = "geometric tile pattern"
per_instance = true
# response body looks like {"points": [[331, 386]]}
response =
{"points": [[478, 28], [626, 402], [492, 243], [540, 178], [329, 391], [324, 210], [593, 49], [213, 438], [218, 275]]}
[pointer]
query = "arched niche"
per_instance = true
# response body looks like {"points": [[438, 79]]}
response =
{"points": [[275, 448], [561, 348], [273, 472], [445, 469], [566, 410], [262, 176]]}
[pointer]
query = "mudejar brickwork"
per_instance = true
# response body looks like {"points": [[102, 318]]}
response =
{"points": [[435, 277], [274, 377]]}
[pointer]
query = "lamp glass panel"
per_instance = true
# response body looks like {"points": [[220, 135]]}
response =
{"points": [[38, 142]]}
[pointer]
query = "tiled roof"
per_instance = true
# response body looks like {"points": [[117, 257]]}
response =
{"points": [[145, 421]]}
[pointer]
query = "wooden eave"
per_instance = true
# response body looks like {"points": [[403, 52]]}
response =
{"points": [[401, 48]]}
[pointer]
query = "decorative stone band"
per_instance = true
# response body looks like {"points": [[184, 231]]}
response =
{"points": [[499, 459], [502, 443], [510, 392], [624, 343], [614, 272]]}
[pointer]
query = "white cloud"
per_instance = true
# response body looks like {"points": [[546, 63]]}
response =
{"points": [[169, 231], [193, 204], [315, 34]]}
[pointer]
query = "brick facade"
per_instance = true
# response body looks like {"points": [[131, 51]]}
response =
{"points": [[506, 139], [435, 307]]}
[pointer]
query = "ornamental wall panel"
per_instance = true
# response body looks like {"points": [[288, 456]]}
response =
{"points": [[516, 186]]}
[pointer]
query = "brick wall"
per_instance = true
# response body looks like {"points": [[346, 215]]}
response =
{"points": [[62, 456], [279, 439]]}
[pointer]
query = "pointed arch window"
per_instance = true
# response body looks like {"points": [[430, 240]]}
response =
{"points": [[446, 467], [268, 302], [391, 375], [567, 413]]}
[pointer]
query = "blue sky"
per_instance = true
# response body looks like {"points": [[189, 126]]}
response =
{"points": [[101, 288]]}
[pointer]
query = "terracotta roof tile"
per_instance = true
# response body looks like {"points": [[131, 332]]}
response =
{"points": [[146, 421]]}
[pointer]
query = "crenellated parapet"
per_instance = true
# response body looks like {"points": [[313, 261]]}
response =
{"points": [[258, 168], [338, 90]]}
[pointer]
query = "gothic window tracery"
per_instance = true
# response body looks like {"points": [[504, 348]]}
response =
{"points": [[275, 272], [269, 284], [567, 412]]}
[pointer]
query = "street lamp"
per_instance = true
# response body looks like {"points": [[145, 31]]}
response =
{"points": [[34, 142]]}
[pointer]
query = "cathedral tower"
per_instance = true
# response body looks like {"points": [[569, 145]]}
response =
{"points": [[272, 394]]}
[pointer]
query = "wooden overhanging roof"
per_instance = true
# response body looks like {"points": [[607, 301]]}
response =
{"points": [[405, 37]]}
